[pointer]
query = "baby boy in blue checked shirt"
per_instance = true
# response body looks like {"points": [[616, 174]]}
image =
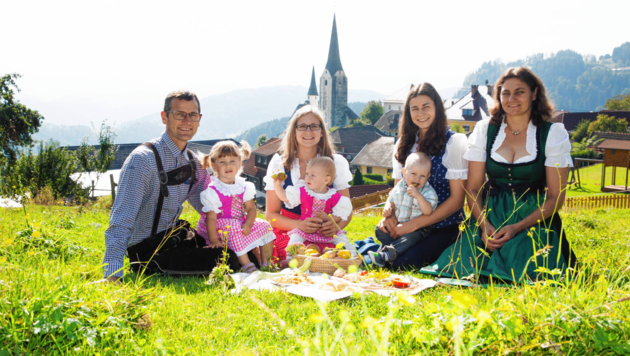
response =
{"points": [[410, 198]]}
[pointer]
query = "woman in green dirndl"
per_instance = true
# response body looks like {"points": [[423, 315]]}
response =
{"points": [[515, 232]]}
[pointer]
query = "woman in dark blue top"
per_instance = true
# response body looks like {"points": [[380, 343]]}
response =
{"points": [[424, 128]]}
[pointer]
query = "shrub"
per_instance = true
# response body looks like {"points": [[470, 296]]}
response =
{"points": [[390, 180], [358, 177], [374, 176]]}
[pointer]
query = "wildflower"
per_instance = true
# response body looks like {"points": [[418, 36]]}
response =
{"points": [[453, 324], [335, 236], [325, 275], [339, 246], [13, 187], [482, 316], [406, 299], [273, 220], [316, 318], [462, 227], [324, 257], [293, 263], [28, 216], [3, 259], [270, 229], [220, 231], [36, 234], [7, 242], [352, 268], [463, 300], [557, 164], [344, 316], [368, 322], [227, 226]]}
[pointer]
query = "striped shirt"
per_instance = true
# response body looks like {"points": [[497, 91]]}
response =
{"points": [[407, 207], [132, 214]]}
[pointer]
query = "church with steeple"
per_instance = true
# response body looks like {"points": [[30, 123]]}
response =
{"points": [[333, 87]]}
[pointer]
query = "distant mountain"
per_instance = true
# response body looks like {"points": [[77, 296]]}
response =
{"points": [[270, 128], [224, 115], [574, 82]]}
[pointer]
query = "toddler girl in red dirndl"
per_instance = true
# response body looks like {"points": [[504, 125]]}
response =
{"points": [[229, 211], [316, 200]]}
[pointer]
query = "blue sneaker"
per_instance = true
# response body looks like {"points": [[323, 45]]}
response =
{"points": [[376, 258]]}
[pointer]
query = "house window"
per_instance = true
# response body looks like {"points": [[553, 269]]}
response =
{"points": [[396, 116], [612, 152], [389, 171], [390, 107], [468, 112], [325, 82], [369, 169], [466, 128], [264, 160]]}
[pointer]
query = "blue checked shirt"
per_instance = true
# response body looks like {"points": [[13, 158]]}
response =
{"points": [[407, 207], [132, 214]]}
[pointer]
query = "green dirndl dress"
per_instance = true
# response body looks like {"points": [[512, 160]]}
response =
{"points": [[512, 193]]}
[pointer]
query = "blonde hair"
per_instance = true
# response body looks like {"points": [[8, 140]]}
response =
{"points": [[418, 158], [325, 163], [288, 147], [224, 149]]}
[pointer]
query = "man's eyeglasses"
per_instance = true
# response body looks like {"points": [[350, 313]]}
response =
{"points": [[181, 116], [313, 127]]}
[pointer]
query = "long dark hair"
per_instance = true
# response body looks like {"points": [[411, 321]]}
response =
{"points": [[542, 108], [435, 139]]}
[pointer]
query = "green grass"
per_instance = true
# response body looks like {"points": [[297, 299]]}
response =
{"points": [[591, 178], [48, 306]]}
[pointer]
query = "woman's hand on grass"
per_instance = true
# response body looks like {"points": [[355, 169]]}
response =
{"points": [[310, 225]]}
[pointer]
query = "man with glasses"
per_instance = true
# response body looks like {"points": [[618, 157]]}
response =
{"points": [[155, 180]]}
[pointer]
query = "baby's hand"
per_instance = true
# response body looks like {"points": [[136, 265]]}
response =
{"points": [[322, 215], [247, 229], [387, 212], [412, 191]]}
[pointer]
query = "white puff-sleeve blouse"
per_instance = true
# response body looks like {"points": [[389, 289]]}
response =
{"points": [[453, 159], [557, 147], [342, 176], [211, 201]]}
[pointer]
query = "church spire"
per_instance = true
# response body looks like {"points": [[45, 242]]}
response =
{"points": [[313, 89], [334, 61]]}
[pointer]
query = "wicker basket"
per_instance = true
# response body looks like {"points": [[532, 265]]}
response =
{"points": [[327, 266]]}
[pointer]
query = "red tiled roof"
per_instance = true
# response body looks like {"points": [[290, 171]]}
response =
{"points": [[361, 190], [270, 147], [248, 166], [615, 145]]}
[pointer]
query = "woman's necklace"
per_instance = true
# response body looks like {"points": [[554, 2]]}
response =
{"points": [[514, 132]]}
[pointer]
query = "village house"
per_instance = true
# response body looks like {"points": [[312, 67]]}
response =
{"points": [[376, 157], [572, 119], [255, 167], [392, 111], [349, 141], [471, 108]]}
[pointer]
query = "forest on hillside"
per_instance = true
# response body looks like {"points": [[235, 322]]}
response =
{"points": [[574, 82]]}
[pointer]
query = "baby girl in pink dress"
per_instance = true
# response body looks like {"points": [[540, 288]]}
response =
{"points": [[316, 200], [229, 211]]}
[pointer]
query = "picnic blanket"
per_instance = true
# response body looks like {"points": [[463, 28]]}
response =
{"points": [[316, 292]]}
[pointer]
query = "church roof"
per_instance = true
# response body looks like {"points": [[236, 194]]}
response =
{"points": [[313, 89], [334, 61]]}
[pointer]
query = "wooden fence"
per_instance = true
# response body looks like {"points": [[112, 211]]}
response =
{"points": [[619, 201], [370, 199]]}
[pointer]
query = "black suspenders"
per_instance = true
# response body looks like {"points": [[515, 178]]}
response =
{"points": [[175, 176]]}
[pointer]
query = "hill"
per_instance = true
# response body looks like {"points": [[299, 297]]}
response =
{"points": [[573, 81]]}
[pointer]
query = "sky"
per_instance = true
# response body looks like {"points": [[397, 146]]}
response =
{"points": [[121, 58]]}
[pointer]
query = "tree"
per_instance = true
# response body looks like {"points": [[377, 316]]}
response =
{"points": [[358, 177], [455, 127], [618, 102], [262, 139], [581, 131], [372, 112], [98, 160], [17, 122], [607, 123]]}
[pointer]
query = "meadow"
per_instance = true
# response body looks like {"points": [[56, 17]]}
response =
{"points": [[51, 255], [591, 179]]}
